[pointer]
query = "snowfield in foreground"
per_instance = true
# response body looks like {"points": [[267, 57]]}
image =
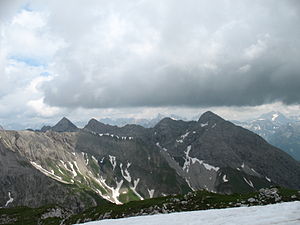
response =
{"points": [[287, 213]]}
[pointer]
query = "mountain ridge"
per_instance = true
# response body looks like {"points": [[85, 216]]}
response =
{"points": [[121, 164], [279, 130]]}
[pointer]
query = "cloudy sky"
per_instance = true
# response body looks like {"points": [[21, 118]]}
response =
{"points": [[137, 58]]}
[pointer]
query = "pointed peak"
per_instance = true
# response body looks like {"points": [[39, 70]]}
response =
{"points": [[93, 120], [64, 125], [65, 119], [94, 124], [209, 116]]}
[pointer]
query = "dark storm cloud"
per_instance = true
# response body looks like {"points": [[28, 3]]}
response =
{"points": [[196, 53]]}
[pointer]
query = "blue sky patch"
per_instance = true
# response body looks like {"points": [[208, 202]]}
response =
{"points": [[29, 61]]}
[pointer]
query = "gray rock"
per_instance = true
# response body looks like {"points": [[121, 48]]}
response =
{"points": [[251, 200]]}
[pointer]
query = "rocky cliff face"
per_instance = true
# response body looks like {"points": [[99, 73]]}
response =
{"points": [[23, 183], [133, 163]]}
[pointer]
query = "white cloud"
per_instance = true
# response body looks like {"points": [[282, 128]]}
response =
{"points": [[245, 68], [42, 109], [97, 58], [257, 49]]}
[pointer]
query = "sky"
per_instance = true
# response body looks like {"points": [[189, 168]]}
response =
{"points": [[137, 58]]}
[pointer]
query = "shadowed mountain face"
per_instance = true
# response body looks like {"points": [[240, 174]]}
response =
{"points": [[133, 162], [278, 130], [287, 137]]}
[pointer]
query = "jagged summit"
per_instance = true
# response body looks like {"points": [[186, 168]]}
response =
{"points": [[64, 125]]}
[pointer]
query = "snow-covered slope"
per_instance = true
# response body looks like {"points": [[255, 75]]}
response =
{"points": [[287, 213]]}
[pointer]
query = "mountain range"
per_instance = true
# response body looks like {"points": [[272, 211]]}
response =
{"points": [[278, 130], [147, 123], [81, 168]]}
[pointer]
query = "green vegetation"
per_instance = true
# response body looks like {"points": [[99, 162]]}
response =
{"points": [[29, 216], [129, 196], [199, 200]]}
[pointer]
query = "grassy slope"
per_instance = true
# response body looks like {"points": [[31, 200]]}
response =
{"points": [[199, 200]]}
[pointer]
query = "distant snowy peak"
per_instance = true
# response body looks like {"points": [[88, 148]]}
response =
{"points": [[1, 128], [279, 130], [275, 117]]}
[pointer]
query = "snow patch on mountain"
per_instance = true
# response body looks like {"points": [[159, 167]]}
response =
{"points": [[85, 157], [125, 172], [113, 161], [72, 170], [268, 179], [115, 191], [75, 164], [248, 182], [135, 183], [225, 179], [10, 199], [151, 193], [274, 116], [182, 137], [94, 159], [190, 160], [204, 124], [48, 173]]}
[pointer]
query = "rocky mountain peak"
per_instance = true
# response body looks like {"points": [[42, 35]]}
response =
{"points": [[1, 128], [210, 117], [64, 125], [166, 120], [93, 121], [99, 127], [170, 124]]}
